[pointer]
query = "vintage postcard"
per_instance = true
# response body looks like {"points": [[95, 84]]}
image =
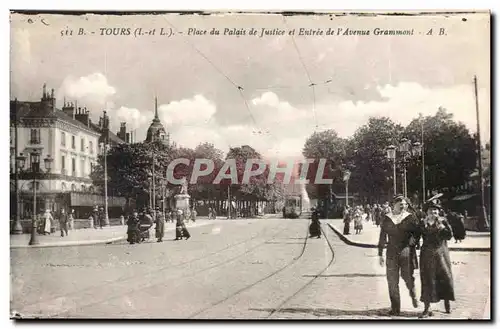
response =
{"points": [[258, 165]]}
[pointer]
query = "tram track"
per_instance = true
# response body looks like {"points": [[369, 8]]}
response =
{"points": [[281, 305], [249, 286], [162, 281], [131, 277]]}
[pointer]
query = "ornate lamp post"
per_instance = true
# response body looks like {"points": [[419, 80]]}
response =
{"points": [[404, 149], [35, 168], [391, 155], [417, 151], [347, 175], [48, 167], [20, 161], [104, 148], [407, 150]]}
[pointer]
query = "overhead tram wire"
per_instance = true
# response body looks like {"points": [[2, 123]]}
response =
{"points": [[238, 87], [258, 130], [311, 83]]}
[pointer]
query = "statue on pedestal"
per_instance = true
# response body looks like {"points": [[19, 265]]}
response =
{"points": [[182, 199], [184, 186]]}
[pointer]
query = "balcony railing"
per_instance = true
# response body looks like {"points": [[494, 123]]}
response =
{"points": [[35, 141]]}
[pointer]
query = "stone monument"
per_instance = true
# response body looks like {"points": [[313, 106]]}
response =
{"points": [[182, 199]]}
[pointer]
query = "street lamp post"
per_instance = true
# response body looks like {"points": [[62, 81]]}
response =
{"points": [[404, 148], [347, 175], [104, 147], [423, 157], [20, 161], [35, 168], [391, 155], [416, 151], [48, 166]]}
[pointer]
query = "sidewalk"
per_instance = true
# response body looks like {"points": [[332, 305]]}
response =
{"points": [[88, 236], [368, 238]]}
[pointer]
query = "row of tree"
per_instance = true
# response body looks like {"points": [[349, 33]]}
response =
{"points": [[131, 168], [449, 156]]}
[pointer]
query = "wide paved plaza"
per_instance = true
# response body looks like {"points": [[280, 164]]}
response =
{"points": [[229, 269]]}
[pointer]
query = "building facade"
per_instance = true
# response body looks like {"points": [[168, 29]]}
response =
{"points": [[70, 144]]}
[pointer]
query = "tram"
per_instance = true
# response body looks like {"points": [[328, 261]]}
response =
{"points": [[293, 207]]}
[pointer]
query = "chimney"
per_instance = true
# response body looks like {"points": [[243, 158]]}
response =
{"points": [[69, 110], [83, 116], [53, 100], [123, 131]]}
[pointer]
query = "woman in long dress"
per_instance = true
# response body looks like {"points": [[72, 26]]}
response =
{"points": [[358, 220], [315, 227], [435, 265], [160, 225], [47, 217]]}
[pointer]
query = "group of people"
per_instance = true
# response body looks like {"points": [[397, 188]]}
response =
{"points": [[46, 224], [401, 230], [139, 224], [359, 214]]}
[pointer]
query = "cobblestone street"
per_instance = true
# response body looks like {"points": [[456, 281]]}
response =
{"points": [[246, 269]]}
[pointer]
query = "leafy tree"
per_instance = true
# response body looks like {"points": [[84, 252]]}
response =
{"points": [[130, 168], [257, 186], [449, 150], [204, 187], [329, 146], [371, 171]]}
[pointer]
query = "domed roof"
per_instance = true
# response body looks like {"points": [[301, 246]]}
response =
{"points": [[156, 131]]}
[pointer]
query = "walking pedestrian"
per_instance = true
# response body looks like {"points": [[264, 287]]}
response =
{"points": [[180, 227], [358, 219], [399, 230], [47, 222], [71, 220], [193, 214], [315, 227], [435, 264], [133, 222], [347, 220], [95, 215], [102, 218], [63, 222], [457, 224], [160, 225]]}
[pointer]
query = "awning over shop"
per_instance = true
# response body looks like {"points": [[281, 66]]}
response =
{"points": [[463, 197], [90, 200]]}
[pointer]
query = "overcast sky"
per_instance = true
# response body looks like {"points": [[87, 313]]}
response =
{"points": [[195, 77]]}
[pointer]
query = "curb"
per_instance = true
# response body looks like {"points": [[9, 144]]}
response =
{"points": [[89, 242], [374, 246], [72, 243], [350, 242]]}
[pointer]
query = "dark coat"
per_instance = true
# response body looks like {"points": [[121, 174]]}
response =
{"points": [[397, 237], [315, 227], [435, 265], [160, 225], [132, 224], [457, 225]]}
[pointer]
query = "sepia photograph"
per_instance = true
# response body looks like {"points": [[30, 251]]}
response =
{"points": [[219, 165]]}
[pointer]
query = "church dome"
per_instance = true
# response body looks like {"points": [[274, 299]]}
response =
{"points": [[156, 131]]}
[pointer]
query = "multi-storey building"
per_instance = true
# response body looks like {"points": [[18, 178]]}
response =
{"points": [[69, 139]]}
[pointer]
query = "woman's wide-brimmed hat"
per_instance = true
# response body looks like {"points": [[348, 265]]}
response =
{"points": [[433, 203]]}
